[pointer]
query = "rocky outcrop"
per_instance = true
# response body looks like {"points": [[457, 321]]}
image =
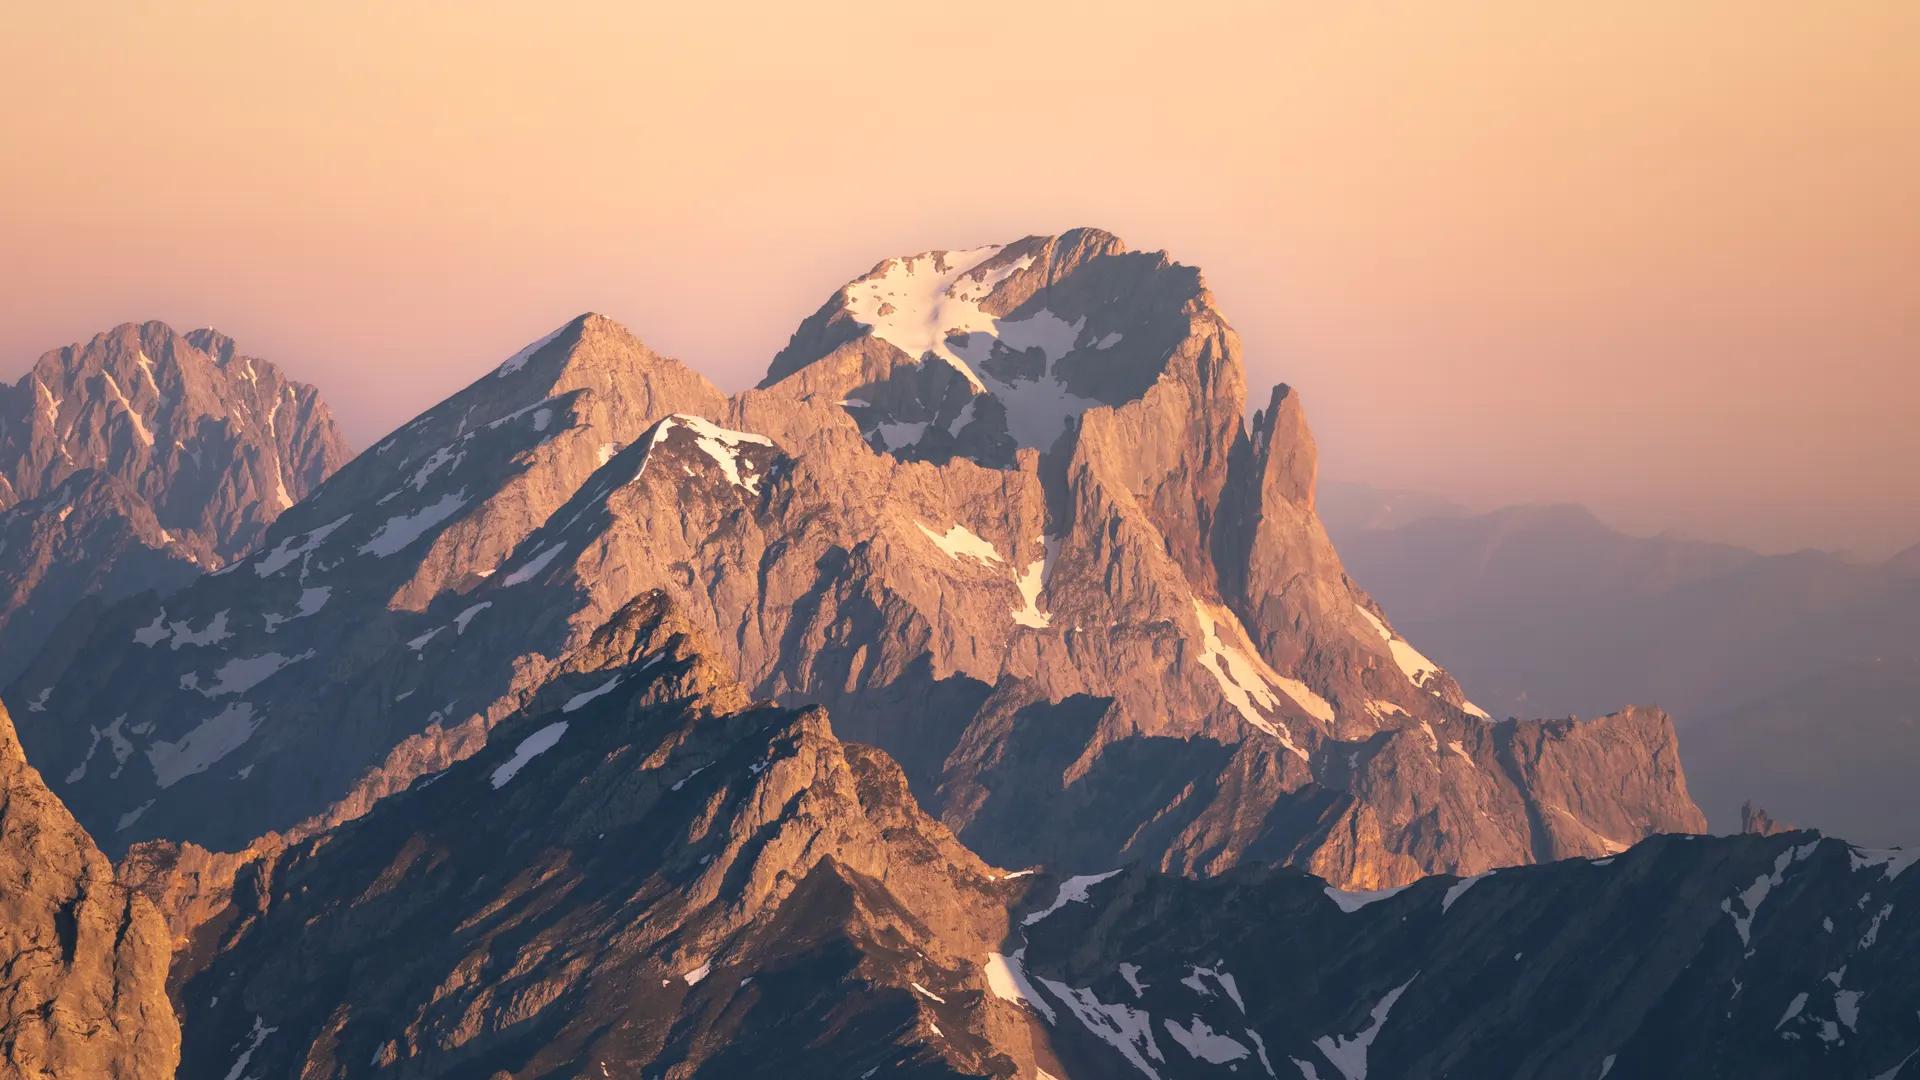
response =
{"points": [[1755, 821], [137, 460], [83, 961], [998, 510]]}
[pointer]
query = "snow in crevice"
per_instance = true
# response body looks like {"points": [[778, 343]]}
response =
{"points": [[241, 674], [1196, 981], [466, 616], [290, 549], [1032, 582], [254, 1038], [310, 602], [1126, 1029], [402, 530], [1203, 1043], [179, 634], [1247, 682], [1750, 898], [1459, 889], [535, 564], [961, 542], [1007, 980], [530, 747], [209, 741], [1348, 1053], [693, 977], [1411, 661], [586, 697], [1074, 890], [117, 743]]}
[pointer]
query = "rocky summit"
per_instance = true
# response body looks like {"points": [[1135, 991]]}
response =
{"points": [[137, 461], [999, 510]]}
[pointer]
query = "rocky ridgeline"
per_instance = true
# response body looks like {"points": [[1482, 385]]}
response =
{"points": [[998, 510]]}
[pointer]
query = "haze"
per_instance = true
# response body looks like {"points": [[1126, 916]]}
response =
{"points": [[1660, 259]]}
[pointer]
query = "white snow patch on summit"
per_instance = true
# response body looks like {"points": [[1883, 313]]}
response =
{"points": [[929, 304]]}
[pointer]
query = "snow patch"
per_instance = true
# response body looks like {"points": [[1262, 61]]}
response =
{"points": [[530, 747], [1348, 1054], [1203, 1043], [1007, 979], [582, 699], [1072, 891], [960, 541], [1248, 683], [209, 741], [535, 564], [1351, 902], [404, 529]]}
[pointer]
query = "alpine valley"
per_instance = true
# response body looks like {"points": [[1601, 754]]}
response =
{"points": [[980, 695]]}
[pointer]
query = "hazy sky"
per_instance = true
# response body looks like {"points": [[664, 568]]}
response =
{"points": [[1660, 258]]}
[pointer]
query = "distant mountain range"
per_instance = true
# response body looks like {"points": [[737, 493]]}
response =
{"points": [[513, 747], [1791, 676]]}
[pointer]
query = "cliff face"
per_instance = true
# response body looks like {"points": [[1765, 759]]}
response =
{"points": [[83, 961]]}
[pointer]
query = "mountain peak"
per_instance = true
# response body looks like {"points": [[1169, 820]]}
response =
{"points": [[986, 351]]}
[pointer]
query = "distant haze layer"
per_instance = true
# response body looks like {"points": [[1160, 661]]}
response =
{"points": [[1663, 260]]}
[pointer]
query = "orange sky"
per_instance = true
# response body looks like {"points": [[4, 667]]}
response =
{"points": [[1660, 258]]}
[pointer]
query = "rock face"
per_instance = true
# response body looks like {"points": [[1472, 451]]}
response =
{"points": [[644, 873], [138, 460], [83, 961], [998, 510]]}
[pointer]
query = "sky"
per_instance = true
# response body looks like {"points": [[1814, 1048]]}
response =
{"points": [[1662, 259]]}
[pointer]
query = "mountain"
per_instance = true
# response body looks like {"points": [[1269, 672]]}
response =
{"points": [[138, 460], [1349, 507], [1792, 675], [646, 873], [998, 510], [83, 961]]}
